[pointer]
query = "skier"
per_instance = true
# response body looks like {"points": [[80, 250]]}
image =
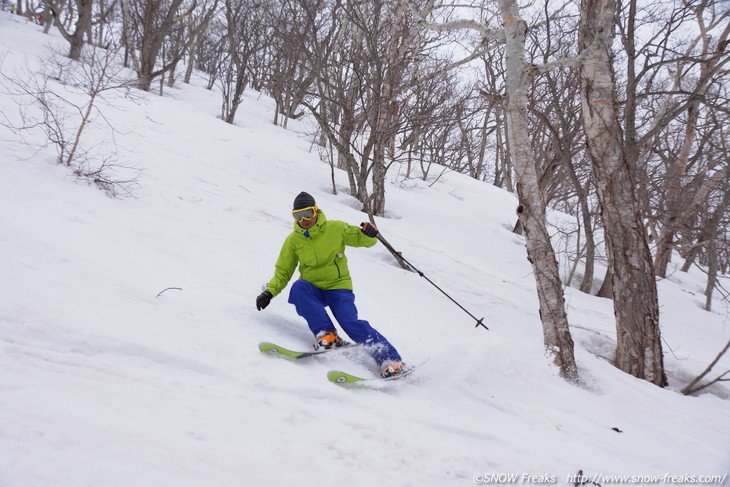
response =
{"points": [[318, 246]]}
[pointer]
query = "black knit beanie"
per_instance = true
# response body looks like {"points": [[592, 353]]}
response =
{"points": [[303, 200]]}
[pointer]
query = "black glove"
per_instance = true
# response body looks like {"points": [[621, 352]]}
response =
{"points": [[263, 300], [369, 229]]}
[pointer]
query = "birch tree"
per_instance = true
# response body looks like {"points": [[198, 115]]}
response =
{"points": [[531, 210], [636, 306]]}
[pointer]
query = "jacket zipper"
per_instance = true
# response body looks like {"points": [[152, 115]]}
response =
{"points": [[339, 274]]}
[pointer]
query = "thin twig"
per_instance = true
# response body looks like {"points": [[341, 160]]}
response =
{"points": [[167, 289], [690, 389]]}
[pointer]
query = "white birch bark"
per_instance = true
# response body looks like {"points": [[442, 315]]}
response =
{"points": [[531, 210], [639, 348]]}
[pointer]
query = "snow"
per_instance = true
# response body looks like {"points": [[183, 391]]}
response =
{"points": [[109, 381]]}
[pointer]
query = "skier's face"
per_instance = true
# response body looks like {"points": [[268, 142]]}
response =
{"points": [[306, 217], [307, 224]]}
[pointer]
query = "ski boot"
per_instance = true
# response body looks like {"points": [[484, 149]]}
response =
{"points": [[328, 339], [391, 368]]}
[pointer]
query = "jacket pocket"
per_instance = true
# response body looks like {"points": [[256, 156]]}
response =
{"points": [[339, 272]]}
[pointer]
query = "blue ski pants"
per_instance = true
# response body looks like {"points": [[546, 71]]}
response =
{"points": [[310, 302]]}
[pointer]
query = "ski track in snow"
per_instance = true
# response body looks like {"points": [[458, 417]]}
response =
{"points": [[106, 382]]}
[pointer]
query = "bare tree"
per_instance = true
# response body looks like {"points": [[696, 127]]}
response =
{"points": [[82, 13], [532, 207], [531, 210], [436, 127], [713, 223], [146, 25], [247, 36], [693, 388], [492, 88], [557, 137], [302, 39], [636, 306], [363, 72], [64, 102], [209, 52], [683, 199]]}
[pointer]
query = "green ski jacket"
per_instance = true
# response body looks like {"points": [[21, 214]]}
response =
{"points": [[320, 253]]}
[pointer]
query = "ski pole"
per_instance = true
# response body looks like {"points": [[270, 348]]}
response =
{"points": [[389, 247]]}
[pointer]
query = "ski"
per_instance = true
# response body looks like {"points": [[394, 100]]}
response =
{"points": [[274, 349], [336, 376], [343, 378]]}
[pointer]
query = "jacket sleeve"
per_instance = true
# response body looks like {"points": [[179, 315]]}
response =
{"points": [[355, 238], [284, 269]]}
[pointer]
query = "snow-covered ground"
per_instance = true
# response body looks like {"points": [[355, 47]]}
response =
{"points": [[105, 380]]}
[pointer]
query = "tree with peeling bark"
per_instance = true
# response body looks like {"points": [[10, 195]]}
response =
{"points": [[636, 306], [532, 206], [531, 210]]}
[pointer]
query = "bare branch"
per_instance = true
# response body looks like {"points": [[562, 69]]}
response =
{"points": [[168, 289], [691, 389], [488, 33]]}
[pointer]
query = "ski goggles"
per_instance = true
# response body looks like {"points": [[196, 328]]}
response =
{"points": [[305, 213]]}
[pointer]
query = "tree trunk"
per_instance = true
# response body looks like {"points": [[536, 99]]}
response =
{"points": [[190, 66], [476, 172], [711, 274], [690, 259], [531, 210], [235, 98], [587, 283], [82, 26], [636, 306], [679, 212], [585, 214], [48, 19], [606, 290]]}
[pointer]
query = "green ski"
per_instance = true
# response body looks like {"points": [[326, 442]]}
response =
{"points": [[293, 354], [344, 378]]}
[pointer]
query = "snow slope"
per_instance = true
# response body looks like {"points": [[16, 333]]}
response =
{"points": [[106, 380]]}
